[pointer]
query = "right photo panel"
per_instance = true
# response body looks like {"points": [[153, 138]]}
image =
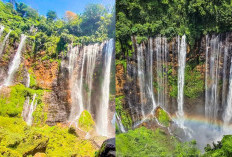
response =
{"points": [[173, 78]]}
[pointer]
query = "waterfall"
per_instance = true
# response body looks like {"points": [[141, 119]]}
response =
{"points": [[119, 123], [15, 63], [228, 111], [150, 82], [4, 43], [77, 94], [102, 117], [28, 80], [212, 77], [1, 30], [29, 109], [181, 71], [92, 52], [72, 58], [141, 77], [161, 66]]}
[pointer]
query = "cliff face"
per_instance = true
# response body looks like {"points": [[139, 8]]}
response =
{"points": [[164, 70]]}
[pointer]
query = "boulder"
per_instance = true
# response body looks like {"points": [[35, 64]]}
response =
{"points": [[107, 149]]}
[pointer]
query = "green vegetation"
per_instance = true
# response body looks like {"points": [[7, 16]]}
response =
{"points": [[194, 83], [163, 117], [52, 34], [222, 149], [170, 18], [13, 98], [146, 143], [125, 116], [17, 139], [172, 82], [86, 122]]}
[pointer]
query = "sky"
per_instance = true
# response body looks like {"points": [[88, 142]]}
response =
{"points": [[61, 6]]}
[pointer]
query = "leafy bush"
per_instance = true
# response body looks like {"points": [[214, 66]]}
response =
{"points": [[146, 143]]}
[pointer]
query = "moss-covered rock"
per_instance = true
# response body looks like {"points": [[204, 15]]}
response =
{"points": [[6, 152], [18, 139], [162, 116], [86, 122]]}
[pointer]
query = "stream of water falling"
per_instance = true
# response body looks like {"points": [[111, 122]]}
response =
{"points": [[228, 111], [141, 77], [2, 46], [29, 109], [28, 80], [212, 77], [181, 71], [91, 62], [119, 123], [15, 63], [82, 69], [150, 80], [161, 72], [103, 117], [1, 30]]}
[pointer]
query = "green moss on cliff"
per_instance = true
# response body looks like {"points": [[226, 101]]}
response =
{"points": [[194, 83], [13, 98], [125, 116]]}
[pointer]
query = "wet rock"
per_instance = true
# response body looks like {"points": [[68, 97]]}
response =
{"points": [[107, 149]]}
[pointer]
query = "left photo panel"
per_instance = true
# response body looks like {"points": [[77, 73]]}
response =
{"points": [[57, 78]]}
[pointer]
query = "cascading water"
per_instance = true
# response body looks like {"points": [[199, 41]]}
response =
{"points": [[77, 93], [141, 77], [2, 46], [119, 123], [212, 77], [161, 66], [84, 63], [150, 69], [103, 117], [91, 62], [228, 111], [15, 63], [181, 72], [1, 30], [29, 109], [28, 80], [72, 58]]}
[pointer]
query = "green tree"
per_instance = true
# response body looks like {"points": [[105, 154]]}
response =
{"points": [[91, 16], [51, 15], [21, 8]]}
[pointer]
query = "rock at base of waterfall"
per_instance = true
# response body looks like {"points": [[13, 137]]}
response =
{"points": [[107, 149], [162, 117], [86, 122]]}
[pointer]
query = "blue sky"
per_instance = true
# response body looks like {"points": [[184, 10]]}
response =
{"points": [[60, 6]]}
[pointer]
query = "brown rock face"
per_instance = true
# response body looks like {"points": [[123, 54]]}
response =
{"points": [[127, 81], [46, 74], [120, 79]]}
